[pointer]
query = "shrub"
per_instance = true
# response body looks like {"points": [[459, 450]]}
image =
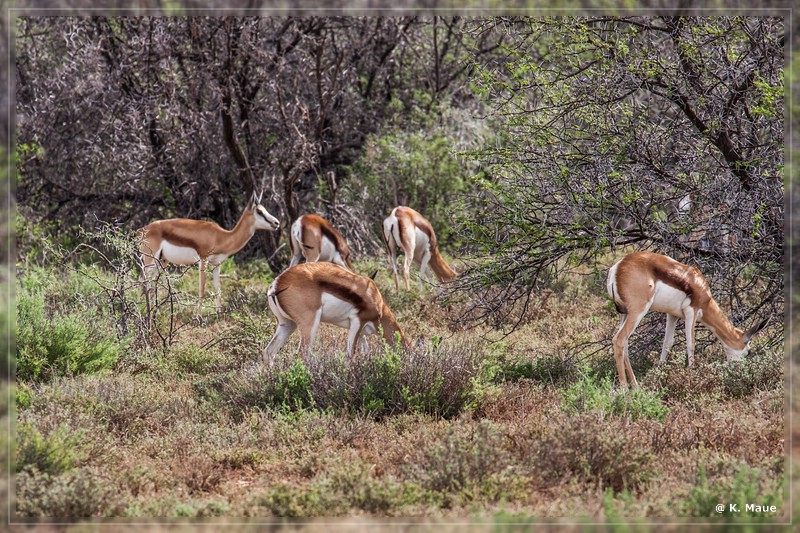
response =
{"points": [[360, 489], [291, 501], [54, 453], [291, 388], [758, 372], [603, 453], [746, 485], [199, 473], [695, 385], [598, 395], [54, 343], [80, 493], [550, 369], [440, 381], [464, 456]]}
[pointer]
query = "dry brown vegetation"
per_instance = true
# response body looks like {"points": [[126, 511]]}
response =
{"points": [[523, 429]]}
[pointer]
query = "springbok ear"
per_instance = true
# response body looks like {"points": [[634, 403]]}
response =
{"points": [[755, 329], [259, 197], [372, 276]]}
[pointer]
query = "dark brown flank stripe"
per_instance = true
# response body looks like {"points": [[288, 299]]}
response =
{"points": [[343, 293], [178, 240], [677, 280]]}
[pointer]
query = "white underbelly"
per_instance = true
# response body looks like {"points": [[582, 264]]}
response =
{"points": [[178, 255], [337, 311], [670, 300]]}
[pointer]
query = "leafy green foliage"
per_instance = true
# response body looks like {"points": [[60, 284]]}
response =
{"points": [[745, 486], [291, 388], [54, 453], [60, 342]]}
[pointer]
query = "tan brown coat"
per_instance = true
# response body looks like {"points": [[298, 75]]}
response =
{"points": [[184, 241], [644, 281], [414, 235], [308, 294], [314, 238]]}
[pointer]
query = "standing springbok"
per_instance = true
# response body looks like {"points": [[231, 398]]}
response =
{"points": [[185, 241], [644, 281], [315, 239], [309, 293], [407, 229]]}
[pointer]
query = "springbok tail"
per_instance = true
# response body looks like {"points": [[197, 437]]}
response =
{"points": [[440, 267]]}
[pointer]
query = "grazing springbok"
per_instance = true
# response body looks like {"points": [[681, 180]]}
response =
{"points": [[184, 241], [407, 229], [315, 239], [644, 281], [309, 293]]}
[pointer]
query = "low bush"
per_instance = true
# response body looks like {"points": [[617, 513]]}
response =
{"points": [[52, 343], [604, 453], [746, 485], [77, 494], [761, 371], [53, 453], [360, 489], [678, 384], [462, 457], [292, 501], [549, 369], [443, 382]]}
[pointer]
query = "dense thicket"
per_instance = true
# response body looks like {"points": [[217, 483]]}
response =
{"points": [[136, 118], [665, 133]]}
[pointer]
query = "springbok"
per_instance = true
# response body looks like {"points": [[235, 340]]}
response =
{"points": [[307, 294], [407, 229], [644, 281], [184, 241], [315, 239]]}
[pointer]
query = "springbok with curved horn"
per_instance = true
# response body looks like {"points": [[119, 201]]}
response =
{"points": [[644, 281], [184, 241], [307, 294], [314, 238], [414, 235]]}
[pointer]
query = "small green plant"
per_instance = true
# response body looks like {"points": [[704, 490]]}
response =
{"points": [[54, 453], [595, 394], [59, 343], [733, 494], [382, 389], [291, 388]]}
